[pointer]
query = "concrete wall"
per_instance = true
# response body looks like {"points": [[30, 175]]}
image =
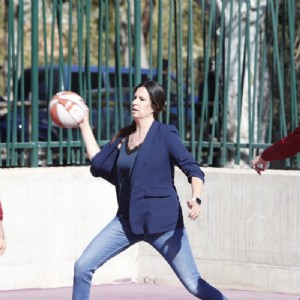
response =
{"points": [[248, 235]]}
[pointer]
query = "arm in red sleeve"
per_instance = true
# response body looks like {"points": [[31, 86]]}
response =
{"points": [[286, 147]]}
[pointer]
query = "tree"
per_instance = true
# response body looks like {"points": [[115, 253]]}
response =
{"points": [[125, 36], [246, 75]]}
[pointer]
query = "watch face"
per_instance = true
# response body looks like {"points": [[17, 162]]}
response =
{"points": [[198, 200]]}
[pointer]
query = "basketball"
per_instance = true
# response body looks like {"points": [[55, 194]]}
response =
{"points": [[67, 109]]}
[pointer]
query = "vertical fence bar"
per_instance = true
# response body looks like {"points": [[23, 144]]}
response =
{"points": [[137, 42], [249, 67], [190, 71], [150, 40], [21, 73], [129, 38], [100, 79], [119, 112], [69, 151], [17, 113], [80, 43], [61, 72], [204, 100], [226, 87], [10, 60], [293, 88], [181, 117], [107, 90], [240, 85], [34, 80], [160, 46], [14, 156], [87, 71], [49, 159], [49, 70], [260, 112], [252, 125], [159, 41], [170, 39], [279, 71], [216, 108]]}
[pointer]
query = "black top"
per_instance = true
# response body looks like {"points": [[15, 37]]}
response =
{"points": [[124, 167]]}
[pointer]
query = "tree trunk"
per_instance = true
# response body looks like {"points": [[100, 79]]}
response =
{"points": [[243, 48], [124, 33]]}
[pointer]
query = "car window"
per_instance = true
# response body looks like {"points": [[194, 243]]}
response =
{"points": [[75, 81], [42, 89]]}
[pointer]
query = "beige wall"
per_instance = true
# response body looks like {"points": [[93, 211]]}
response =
{"points": [[247, 237]]}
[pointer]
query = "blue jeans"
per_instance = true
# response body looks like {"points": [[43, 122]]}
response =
{"points": [[117, 236]]}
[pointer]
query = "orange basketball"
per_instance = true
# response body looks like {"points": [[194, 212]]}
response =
{"points": [[67, 109]]}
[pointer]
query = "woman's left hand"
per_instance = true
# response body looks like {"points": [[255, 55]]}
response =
{"points": [[194, 209]]}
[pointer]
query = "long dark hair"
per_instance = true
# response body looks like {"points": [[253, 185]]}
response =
{"points": [[158, 100]]}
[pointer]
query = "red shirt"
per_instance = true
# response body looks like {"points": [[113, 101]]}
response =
{"points": [[286, 147], [1, 213]]}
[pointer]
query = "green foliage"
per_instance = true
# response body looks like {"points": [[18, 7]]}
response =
{"points": [[50, 32]]}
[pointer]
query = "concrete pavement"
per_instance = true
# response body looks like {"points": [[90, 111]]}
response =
{"points": [[134, 291]]}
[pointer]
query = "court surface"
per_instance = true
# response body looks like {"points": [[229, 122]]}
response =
{"points": [[134, 291]]}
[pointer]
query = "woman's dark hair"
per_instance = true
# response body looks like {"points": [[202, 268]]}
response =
{"points": [[158, 100]]}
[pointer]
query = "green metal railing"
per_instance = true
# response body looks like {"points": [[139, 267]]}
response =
{"points": [[231, 80]]}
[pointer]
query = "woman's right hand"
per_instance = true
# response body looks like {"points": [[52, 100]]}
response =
{"points": [[92, 147], [86, 120]]}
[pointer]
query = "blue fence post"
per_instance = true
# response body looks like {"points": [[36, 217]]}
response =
{"points": [[34, 81], [137, 42]]}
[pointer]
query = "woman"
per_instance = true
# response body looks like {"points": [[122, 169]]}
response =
{"points": [[2, 236], [140, 162]]}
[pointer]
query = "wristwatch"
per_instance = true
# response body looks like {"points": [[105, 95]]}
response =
{"points": [[198, 200]]}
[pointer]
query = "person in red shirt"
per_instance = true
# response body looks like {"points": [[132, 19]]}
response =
{"points": [[2, 236], [284, 148]]}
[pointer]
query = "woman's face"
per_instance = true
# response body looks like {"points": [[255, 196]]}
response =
{"points": [[141, 104]]}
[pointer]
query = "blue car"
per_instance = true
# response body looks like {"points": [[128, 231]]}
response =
{"points": [[19, 129], [115, 92]]}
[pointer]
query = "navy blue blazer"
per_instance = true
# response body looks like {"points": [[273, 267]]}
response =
{"points": [[154, 203]]}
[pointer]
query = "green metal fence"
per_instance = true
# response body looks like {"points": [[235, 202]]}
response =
{"points": [[229, 69]]}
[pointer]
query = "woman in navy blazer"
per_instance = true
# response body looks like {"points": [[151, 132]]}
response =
{"points": [[140, 162]]}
